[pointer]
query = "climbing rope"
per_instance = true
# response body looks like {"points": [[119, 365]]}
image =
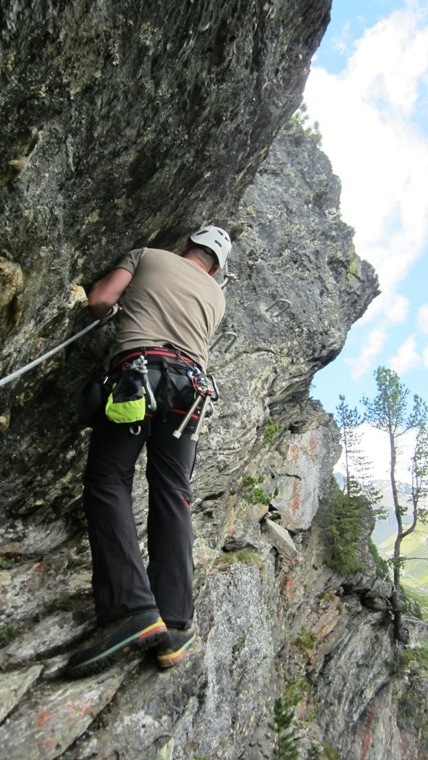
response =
{"points": [[19, 372]]}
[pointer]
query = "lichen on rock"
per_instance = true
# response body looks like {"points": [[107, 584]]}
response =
{"points": [[11, 300]]}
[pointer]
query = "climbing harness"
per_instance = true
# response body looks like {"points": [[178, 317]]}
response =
{"points": [[157, 352], [180, 389]]}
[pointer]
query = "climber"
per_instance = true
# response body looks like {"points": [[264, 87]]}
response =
{"points": [[170, 308]]}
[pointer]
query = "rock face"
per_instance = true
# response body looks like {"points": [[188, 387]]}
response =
{"points": [[125, 124]]}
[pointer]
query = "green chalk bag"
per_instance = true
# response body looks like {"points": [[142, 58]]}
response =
{"points": [[127, 401]]}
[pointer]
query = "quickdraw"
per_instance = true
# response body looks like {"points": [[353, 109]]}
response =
{"points": [[139, 365], [205, 395]]}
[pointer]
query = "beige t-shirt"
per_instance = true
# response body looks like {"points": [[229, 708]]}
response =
{"points": [[169, 300]]}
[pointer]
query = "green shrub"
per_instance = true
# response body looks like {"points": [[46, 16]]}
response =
{"points": [[382, 567], [300, 118], [284, 724], [305, 641], [417, 658], [270, 430], [244, 556], [8, 632], [253, 491]]}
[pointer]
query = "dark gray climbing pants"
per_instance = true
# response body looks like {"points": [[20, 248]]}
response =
{"points": [[120, 581]]}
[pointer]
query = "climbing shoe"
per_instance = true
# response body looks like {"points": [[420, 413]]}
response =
{"points": [[137, 632], [173, 648]]}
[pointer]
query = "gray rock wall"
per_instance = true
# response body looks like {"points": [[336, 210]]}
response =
{"points": [[125, 124]]}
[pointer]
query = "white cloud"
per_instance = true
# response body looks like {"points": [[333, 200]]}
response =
{"points": [[390, 304], [397, 77], [376, 148], [397, 309], [407, 357], [368, 116], [425, 357], [373, 345], [422, 318], [341, 43]]}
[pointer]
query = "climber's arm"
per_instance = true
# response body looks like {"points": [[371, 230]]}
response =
{"points": [[107, 291]]}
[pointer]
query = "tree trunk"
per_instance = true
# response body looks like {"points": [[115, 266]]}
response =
{"points": [[397, 597]]}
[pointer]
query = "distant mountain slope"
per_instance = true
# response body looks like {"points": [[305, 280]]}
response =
{"points": [[415, 571], [386, 528]]}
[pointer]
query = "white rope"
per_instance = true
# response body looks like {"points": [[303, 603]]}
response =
{"points": [[19, 372]]}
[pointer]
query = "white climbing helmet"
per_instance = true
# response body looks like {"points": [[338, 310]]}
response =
{"points": [[214, 238]]}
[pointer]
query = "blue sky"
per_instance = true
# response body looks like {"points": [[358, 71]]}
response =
{"points": [[368, 89]]}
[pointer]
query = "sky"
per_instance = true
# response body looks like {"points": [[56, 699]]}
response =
{"points": [[368, 90]]}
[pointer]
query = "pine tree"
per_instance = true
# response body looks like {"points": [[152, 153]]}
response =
{"points": [[358, 476], [350, 509], [388, 412]]}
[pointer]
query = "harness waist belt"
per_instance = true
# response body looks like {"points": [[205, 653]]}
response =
{"points": [[161, 352]]}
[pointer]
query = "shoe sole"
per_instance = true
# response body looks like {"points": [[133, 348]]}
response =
{"points": [[169, 659], [145, 639]]}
